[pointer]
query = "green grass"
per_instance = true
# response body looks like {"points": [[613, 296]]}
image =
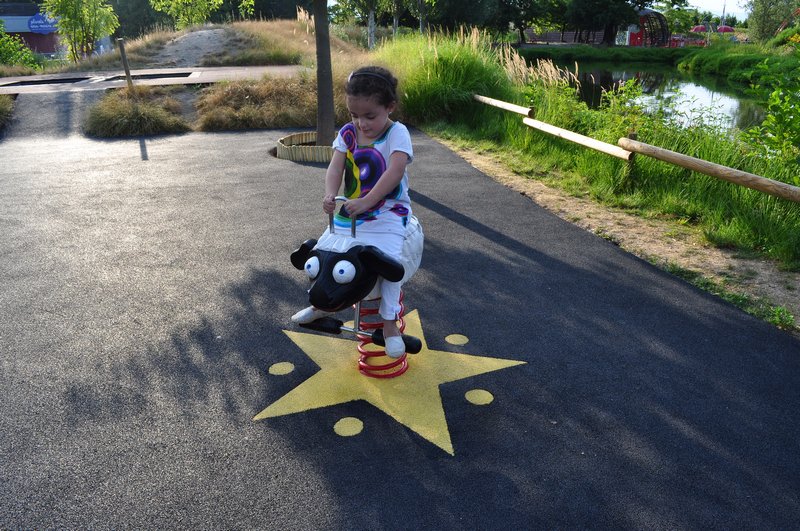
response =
{"points": [[6, 108], [143, 111], [617, 54]]}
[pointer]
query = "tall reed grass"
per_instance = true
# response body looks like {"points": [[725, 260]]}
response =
{"points": [[440, 73]]}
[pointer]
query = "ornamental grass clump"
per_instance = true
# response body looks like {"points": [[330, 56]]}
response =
{"points": [[143, 111], [6, 108], [257, 105]]}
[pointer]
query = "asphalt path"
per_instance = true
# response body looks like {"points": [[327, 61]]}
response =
{"points": [[146, 288]]}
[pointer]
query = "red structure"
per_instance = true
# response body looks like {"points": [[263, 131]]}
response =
{"points": [[652, 30]]}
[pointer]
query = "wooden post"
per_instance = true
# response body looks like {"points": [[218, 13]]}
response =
{"points": [[633, 135], [743, 178], [121, 44]]}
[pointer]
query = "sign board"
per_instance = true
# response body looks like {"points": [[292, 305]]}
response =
{"points": [[41, 23]]}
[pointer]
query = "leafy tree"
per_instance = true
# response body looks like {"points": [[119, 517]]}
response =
{"points": [[455, 13], [421, 10], [186, 13], [137, 17], [522, 14], [397, 8], [262, 9], [369, 9], [82, 23], [766, 16], [680, 16], [730, 20], [607, 15], [13, 50]]}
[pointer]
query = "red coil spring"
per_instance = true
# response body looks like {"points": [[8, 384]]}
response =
{"points": [[367, 363]]}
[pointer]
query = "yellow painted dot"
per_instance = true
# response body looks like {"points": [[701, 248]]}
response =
{"points": [[479, 397], [348, 426], [457, 339], [281, 368]]}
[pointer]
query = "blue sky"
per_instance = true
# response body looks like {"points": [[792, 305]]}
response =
{"points": [[715, 6]]}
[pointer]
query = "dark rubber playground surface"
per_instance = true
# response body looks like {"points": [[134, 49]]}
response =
{"points": [[146, 287]]}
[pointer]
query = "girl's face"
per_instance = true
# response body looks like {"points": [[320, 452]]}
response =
{"points": [[370, 117]]}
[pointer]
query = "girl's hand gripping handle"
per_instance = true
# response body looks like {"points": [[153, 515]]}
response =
{"points": [[330, 215]]}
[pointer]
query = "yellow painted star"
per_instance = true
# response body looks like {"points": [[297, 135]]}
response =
{"points": [[412, 399]]}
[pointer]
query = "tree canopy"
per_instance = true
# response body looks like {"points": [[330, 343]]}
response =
{"points": [[187, 13]]}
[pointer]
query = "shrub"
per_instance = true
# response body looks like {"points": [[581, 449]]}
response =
{"points": [[14, 52]]}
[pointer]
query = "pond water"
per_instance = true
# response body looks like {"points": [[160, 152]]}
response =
{"points": [[692, 97]]}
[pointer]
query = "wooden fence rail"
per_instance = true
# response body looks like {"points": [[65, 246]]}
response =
{"points": [[627, 147], [742, 178]]}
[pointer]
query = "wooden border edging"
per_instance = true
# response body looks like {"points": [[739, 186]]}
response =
{"points": [[743, 178], [608, 149]]}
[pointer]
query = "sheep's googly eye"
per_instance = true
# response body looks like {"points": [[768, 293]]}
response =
{"points": [[312, 267], [344, 272]]}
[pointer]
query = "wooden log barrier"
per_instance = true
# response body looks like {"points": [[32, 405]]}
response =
{"points": [[519, 109], [743, 178], [608, 149]]}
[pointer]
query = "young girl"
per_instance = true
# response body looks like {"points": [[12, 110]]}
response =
{"points": [[371, 153]]}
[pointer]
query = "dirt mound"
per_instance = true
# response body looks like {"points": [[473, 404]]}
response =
{"points": [[189, 49]]}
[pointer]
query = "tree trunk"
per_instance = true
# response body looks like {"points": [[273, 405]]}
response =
{"points": [[610, 35], [326, 126], [421, 6], [371, 29], [395, 23]]}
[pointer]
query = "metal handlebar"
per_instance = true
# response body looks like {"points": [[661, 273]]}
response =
{"points": [[352, 218]]}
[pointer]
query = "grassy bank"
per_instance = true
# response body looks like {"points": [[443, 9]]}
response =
{"points": [[740, 63], [594, 54]]}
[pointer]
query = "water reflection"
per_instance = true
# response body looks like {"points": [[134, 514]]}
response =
{"points": [[688, 98]]}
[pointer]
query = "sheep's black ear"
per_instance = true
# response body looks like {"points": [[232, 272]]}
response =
{"points": [[382, 264], [300, 256]]}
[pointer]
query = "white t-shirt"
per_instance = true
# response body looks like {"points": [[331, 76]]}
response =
{"points": [[364, 165]]}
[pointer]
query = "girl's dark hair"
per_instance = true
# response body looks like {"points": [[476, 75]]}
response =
{"points": [[372, 82]]}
